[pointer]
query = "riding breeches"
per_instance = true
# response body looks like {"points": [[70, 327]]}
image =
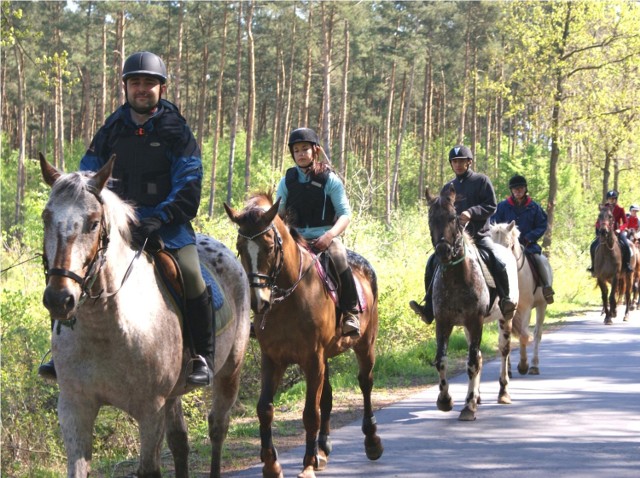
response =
{"points": [[187, 259], [338, 254]]}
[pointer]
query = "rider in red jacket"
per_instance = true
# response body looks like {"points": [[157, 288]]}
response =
{"points": [[619, 219]]}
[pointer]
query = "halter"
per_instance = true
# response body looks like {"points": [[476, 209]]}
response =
{"points": [[458, 246]]}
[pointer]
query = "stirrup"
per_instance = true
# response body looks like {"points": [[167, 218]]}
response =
{"points": [[200, 368], [350, 326]]}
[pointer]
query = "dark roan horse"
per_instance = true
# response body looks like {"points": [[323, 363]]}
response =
{"points": [[123, 345], [295, 323], [461, 297], [607, 265]]}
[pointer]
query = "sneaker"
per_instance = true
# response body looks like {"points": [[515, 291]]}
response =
{"points": [[507, 307], [422, 311], [547, 292], [350, 326]]}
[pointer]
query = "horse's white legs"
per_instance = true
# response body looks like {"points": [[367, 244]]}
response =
{"points": [[444, 402], [152, 427], [76, 422], [504, 344], [537, 338], [177, 438]]}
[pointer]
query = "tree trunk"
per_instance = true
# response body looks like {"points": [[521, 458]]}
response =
{"points": [[22, 137], [327, 26], [177, 70], [406, 93], [119, 57], [216, 131], [251, 107], [102, 104], [205, 28], [387, 143], [342, 153], [234, 119]]}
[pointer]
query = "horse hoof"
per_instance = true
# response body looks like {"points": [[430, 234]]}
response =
{"points": [[534, 371], [275, 473], [504, 399], [608, 321], [307, 473], [523, 368], [445, 405], [374, 452], [321, 461], [467, 415], [626, 318]]}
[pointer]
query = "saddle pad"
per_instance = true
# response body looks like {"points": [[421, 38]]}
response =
{"points": [[216, 294], [332, 289]]}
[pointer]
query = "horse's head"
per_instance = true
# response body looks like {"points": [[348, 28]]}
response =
{"points": [[605, 224], [259, 245], [75, 235], [445, 228], [505, 234]]}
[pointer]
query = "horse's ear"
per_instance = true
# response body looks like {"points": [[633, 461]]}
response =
{"points": [[450, 192], [233, 215], [427, 194], [272, 212], [511, 226], [100, 178], [49, 173]]}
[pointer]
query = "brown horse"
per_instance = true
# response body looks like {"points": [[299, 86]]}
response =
{"points": [[461, 297], [607, 263], [632, 235], [295, 321]]}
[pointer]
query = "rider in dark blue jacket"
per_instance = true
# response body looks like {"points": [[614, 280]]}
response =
{"points": [[158, 168], [475, 203], [531, 220]]}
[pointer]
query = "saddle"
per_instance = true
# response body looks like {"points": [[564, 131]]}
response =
{"points": [[534, 268], [328, 275]]}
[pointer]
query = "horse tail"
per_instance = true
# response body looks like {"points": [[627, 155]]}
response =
{"points": [[358, 262]]}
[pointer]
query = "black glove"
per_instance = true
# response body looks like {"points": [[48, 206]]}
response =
{"points": [[148, 229]]}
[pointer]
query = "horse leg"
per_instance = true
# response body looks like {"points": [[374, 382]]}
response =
{"points": [[271, 377], [444, 402], [326, 406], [537, 338], [613, 305], [77, 418], [152, 430], [225, 392], [627, 296], [504, 344], [177, 437], [605, 298], [365, 353], [474, 368], [315, 374], [524, 317]]}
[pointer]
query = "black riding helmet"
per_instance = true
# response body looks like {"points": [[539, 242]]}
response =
{"points": [[302, 135], [144, 63], [517, 181], [460, 151], [612, 194]]}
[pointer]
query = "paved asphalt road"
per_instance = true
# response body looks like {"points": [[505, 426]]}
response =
{"points": [[579, 418]]}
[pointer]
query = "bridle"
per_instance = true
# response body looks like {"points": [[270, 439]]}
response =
{"points": [[96, 263], [458, 245], [263, 281]]}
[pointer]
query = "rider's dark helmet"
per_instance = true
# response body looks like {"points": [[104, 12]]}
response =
{"points": [[612, 194], [460, 151], [517, 181], [302, 135], [144, 63]]}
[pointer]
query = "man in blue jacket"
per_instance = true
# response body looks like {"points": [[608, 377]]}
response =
{"points": [[158, 168], [532, 223]]}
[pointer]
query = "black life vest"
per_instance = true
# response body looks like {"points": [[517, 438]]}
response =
{"points": [[142, 171], [307, 203]]}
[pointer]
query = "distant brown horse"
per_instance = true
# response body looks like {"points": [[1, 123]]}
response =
{"points": [[607, 264], [632, 235], [296, 323]]}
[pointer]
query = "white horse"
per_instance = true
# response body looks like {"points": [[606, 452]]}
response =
{"points": [[530, 296], [118, 338]]}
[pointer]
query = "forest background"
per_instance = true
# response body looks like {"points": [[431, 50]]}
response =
{"points": [[550, 90]]}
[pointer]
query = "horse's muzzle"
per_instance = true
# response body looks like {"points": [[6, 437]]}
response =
{"points": [[444, 251], [60, 302]]}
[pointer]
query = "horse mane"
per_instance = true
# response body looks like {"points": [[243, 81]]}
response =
{"points": [[118, 213]]}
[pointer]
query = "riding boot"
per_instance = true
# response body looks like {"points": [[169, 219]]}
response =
{"points": [[626, 254], [426, 311], [541, 266], [592, 252], [499, 271], [48, 370], [349, 304], [200, 321]]}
